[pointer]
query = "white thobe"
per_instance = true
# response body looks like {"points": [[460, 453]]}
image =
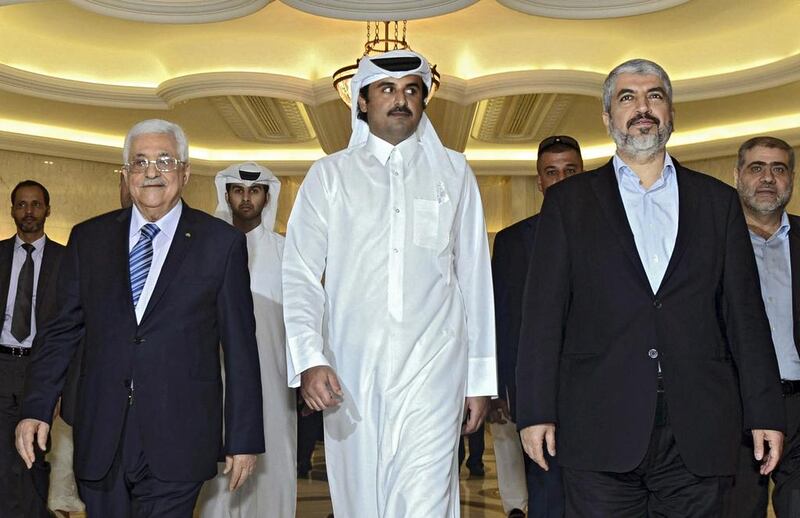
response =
{"points": [[409, 329], [272, 489]]}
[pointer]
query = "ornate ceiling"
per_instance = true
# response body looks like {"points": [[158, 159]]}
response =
{"points": [[251, 79]]}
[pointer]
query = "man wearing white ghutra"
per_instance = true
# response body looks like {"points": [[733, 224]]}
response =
{"points": [[395, 224]]}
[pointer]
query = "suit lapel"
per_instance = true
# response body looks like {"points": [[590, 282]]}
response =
{"points": [[44, 276], [606, 189], [687, 206], [119, 252], [794, 261], [177, 252]]}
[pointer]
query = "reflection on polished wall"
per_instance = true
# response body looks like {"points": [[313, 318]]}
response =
{"points": [[80, 189]]}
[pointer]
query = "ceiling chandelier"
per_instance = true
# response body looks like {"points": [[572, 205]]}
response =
{"points": [[379, 44]]}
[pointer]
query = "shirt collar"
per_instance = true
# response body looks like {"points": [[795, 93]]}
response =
{"points": [[780, 235], [167, 224], [38, 245], [783, 230], [381, 149], [623, 170]]}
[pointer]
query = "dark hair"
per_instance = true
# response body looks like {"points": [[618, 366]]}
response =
{"points": [[31, 183], [228, 186], [764, 141], [364, 92]]}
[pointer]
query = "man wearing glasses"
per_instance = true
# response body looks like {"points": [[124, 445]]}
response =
{"points": [[558, 157], [154, 289]]}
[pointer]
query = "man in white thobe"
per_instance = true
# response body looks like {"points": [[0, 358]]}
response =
{"points": [[395, 225], [247, 196]]}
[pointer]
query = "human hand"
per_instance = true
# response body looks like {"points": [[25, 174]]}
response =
{"points": [[774, 440], [240, 467], [319, 388], [475, 408], [533, 438], [26, 430]]}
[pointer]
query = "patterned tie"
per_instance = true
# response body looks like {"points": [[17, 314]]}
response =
{"points": [[21, 319], [140, 258]]}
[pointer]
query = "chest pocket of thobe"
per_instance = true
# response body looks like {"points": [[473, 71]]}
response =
{"points": [[427, 232]]}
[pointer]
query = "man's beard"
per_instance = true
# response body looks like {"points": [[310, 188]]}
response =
{"points": [[644, 144], [749, 199], [30, 227]]}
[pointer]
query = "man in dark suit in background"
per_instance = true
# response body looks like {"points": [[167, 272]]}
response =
{"points": [[644, 342], [558, 157], [29, 264], [764, 176], [154, 289]]}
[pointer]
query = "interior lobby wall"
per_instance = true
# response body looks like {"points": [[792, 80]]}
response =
{"points": [[80, 189]]}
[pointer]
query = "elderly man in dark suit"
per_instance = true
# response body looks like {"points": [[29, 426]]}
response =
{"points": [[558, 157], [29, 264], [645, 349], [154, 289]]}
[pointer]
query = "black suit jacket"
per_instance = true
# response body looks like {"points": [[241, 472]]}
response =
{"points": [[794, 256], [510, 259], [592, 326], [46, 306], [202, 298]]}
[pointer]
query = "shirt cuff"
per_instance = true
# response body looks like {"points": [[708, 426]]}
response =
{"points": [[302, 353], [482, 377]]}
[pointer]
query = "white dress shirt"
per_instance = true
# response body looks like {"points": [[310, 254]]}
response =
{"points": [[16, 265], [161, 243]]}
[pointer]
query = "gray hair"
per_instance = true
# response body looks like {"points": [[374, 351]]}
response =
{"points": [[637, 66], [768, 142], [157, 126]]}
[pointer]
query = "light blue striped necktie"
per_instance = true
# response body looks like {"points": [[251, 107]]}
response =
{"points": [[140, 258]]}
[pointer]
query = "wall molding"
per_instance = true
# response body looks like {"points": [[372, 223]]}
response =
{"points": [[379, 9], [320, 91], [78, 92], [589, 9], [181, 11]]}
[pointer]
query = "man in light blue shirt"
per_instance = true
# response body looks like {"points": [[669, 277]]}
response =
{"points": [[764, 176], [645, 350]]}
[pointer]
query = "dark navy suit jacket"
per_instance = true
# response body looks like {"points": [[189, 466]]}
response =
{"points": [[202, 299], [511, 256]]}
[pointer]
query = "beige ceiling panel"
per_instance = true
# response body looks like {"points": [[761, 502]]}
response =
{"points": [[519, 118], [452, 121], [331, 123], [264, 119], [281, 40]]}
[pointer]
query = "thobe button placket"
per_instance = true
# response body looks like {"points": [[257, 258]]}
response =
{"points": [[397, 234]]}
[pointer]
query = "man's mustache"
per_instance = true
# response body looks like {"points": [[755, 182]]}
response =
{"points": [[153, 182], [643, 116], [400, 109]]}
